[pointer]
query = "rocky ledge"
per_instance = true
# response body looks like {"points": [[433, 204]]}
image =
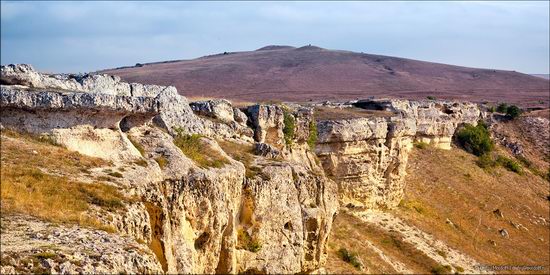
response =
{"points": [[267, 202]]}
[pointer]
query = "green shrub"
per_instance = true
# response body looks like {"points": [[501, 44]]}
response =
{"points": [[486, 161], [430, 97], [475, 139], [349, 257], [290, 126], [312, 139], [420, 144], [509, 164], [245, 241], [502, 107], [491, 109], [513, 111], [193, 148]]}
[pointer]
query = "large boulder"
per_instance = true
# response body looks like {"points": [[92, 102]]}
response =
{"points": [[217, 108]]}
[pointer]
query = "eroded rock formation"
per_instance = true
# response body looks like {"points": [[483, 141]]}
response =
{"points": [[368, 156], [267, 209], [194, 217]]}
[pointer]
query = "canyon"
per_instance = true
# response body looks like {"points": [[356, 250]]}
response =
{"points": [[209, 187]]}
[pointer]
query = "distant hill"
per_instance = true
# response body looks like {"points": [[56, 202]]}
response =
{"points": [[545, 76], [312, 73]]}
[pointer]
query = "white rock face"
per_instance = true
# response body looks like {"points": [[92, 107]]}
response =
{"points": [[218, 108], [368, 156], [192, 217]]}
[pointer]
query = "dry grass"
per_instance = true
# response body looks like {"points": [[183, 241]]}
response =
{"points": [[198, 151], [243, 153], [38, 180], [443, 185], [162, 161], [138, 146], [352, 233]]}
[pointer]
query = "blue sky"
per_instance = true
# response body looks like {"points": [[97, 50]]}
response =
{"points": [[87, 36]]}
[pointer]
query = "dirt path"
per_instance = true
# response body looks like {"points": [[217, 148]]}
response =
{"points": [[427, 244]]}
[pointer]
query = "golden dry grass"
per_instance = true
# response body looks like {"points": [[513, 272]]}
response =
{"points": [[243, 153], [38, 179], [198, 151], [351, 233], [443, 185]]}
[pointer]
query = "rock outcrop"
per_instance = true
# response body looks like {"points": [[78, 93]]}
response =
{"points": [[193, 217], [267, 209], [368, 156]]}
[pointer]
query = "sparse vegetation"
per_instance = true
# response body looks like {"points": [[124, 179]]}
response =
{"points": [[162, 161], [35, 185], [431, 97], [245, 241], [513, 112], [420, 145], [487, 161], [137, 145], [441, 269], [115, 174], [312, 139], [141, 162], [350, 257], [289, 126], [195, 149], [243, 153], [475, 139], [502, 107], [509, 164]]}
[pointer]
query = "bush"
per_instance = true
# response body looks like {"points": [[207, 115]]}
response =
{"points": [[513, 112], [350, 257], [420, 144], [486, 161], [475, 139], [502, 107], [509, 164], [491, 109], [245, 241], [430, 97], [290, 126], [312, 139]]}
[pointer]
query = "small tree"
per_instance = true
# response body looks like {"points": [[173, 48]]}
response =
{"points": [[502, 107], [513, 111], [475, 139]]}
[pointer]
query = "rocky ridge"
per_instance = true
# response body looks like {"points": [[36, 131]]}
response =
{"points": [[272, 214]]}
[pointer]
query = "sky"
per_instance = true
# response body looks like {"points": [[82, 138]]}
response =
{"points": [[88, 36]]}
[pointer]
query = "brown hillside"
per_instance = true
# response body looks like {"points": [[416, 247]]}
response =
{"points": [[312, 73]]}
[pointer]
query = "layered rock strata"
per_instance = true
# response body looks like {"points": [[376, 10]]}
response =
{"points": [[193, 217], [368, 156]]}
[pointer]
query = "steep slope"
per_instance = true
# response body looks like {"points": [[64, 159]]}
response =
{"points": [[313, 73], [450, 209]]}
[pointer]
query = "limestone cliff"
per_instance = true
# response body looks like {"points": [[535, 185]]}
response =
{"points": [[214, 188], [231, 215], [368, 156]]}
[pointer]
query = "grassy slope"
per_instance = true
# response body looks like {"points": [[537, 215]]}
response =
{"points": [[41, 179], [445, 185]]}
